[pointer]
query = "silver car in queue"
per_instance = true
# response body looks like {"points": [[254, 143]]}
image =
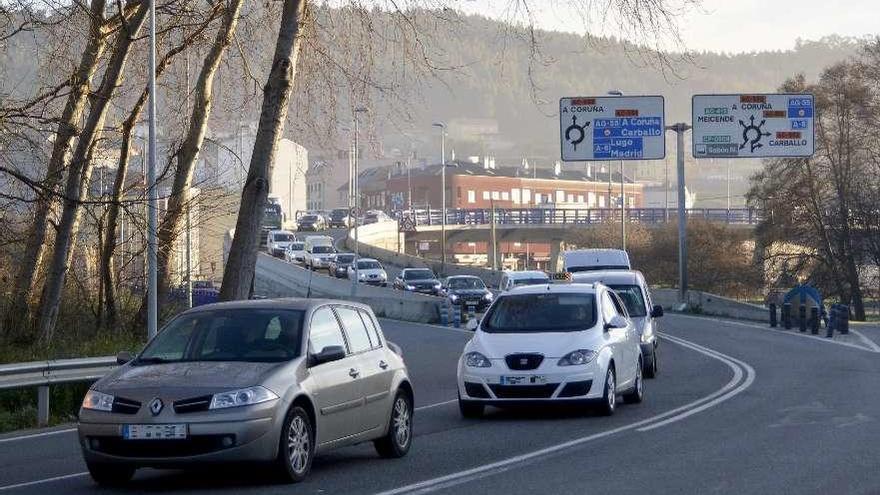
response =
{"points": [[272, 381]]}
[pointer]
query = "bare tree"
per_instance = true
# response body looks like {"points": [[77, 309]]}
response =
{"points": [[79, 171]]}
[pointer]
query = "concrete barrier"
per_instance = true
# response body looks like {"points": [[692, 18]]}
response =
{"points": [[277, 278], [379, 241], [710, 304]]}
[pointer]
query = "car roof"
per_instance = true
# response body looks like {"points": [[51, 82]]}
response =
{"points": [[554, 289], [609, 277], [417, 268], [464, 276], [369, 259], [527, 274], [293, 303]]}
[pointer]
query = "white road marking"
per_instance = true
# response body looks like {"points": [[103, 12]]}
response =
{"points": [[735, 386], [84, 473], [873, 347], [36, 435], [47, 480], [868, 342]]}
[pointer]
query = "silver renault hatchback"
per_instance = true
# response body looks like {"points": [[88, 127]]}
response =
{"points": [[275, 381]]}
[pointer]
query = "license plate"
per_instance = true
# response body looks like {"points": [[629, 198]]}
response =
{"points": [[154, 432], [524, 380]]}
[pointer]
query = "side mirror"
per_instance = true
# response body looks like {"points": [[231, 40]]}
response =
{"points": [[472, 324], [656, 311], [617, 321], [123, 357], [328, 354]]}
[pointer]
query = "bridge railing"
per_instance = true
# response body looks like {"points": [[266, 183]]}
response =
{"points": [[577, 216]]}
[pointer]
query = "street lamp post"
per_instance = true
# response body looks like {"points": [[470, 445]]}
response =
{"points": [[615, 92], [152, 191], [442, 127], [679, 130], [356, 194]]}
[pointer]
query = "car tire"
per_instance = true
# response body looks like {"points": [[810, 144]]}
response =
{"points": [[652, 369], [470, 409], [296, 446], [637, 393], [397, 442], [106, 474], [609, 396]]}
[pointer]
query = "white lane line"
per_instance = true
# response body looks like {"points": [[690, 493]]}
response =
{"points": [[37, 435], [872, 348], [84, 473], [47, 480], [726, 392], [868, 342]]}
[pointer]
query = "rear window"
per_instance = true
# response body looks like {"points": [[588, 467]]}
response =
{"points": [[538, 313], [531, 281]]}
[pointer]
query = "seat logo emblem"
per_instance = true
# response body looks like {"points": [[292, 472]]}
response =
{"points": [[523, 361], [156, 406]]}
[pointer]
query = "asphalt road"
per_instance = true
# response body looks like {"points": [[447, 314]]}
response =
{"points": [[736, 409]]}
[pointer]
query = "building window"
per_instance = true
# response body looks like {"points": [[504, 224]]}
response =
{"points": [[496, 195], [458, 192], [601, 201], [472, 197], [537, 198], [505, 196], [486, 195], [514, 193], [591, 199], [570, 198], [580, 198], [526, 196], [560, 196]]}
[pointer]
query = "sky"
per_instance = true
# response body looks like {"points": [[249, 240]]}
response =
{"points": [[732, 26]]}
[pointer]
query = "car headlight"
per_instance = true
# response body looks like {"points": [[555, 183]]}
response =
{"points": [[577, 358], [410, 287], [243, 397], [476, 360], [98, 401], [363, 275], [437, 286], [453, 297], [488, 296], [645, 337]]}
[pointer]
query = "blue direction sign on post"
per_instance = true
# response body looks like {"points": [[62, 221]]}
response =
{"points": [[753, 125], [612, 128]]}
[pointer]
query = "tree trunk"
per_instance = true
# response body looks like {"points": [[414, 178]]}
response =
{"points": [[178, 201], [238, 274], [80, 171], [35, 242]]}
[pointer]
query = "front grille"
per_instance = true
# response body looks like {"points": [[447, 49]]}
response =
{"points": [[523, 361], [193, 404], [125, 406], [476, 390], [524, 391], [194, 445], [576, 389]]}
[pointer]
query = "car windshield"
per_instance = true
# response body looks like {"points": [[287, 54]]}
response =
{"points": [[338, 213], [633, 299], [545, 312], [283, 237], [251, 335], [308, 218], [368, 265], [530, 281], [466, 283], [296, 246], [596, 268], [322, 249], [344, 258], [418, 274]]}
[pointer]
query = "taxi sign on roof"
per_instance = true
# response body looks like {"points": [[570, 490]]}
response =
{"points": [[612, 128], [753, 125]]}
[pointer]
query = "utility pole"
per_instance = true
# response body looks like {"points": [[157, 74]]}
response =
{"points": [[494, 245], [152, 192], [679, 129], [356, 194], [189, 285], [442, 127], [409, 180], [615, 92]]}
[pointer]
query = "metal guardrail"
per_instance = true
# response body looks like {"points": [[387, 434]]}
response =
{"points": [[42, 374], [578, 216]]}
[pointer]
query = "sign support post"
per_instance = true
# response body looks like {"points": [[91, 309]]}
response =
{"points": [[679, 129]]}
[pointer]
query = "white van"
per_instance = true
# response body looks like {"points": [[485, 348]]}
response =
{"points": [[277, 242], [509, 280], [319, 251], [586, 260]]}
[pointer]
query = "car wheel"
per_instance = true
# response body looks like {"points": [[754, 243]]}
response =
{"points": [[110, 474], [637, 393], [652, 369], [398, 440], [296, 445], [470, 409], [609, 397]]}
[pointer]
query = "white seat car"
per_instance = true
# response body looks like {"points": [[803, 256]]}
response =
{"points": [[566, 343], [509, 280], [633, 290], [295, 252], [369, 271]]}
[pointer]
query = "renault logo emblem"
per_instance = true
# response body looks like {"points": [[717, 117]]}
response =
{"points": [[156, 406]]}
